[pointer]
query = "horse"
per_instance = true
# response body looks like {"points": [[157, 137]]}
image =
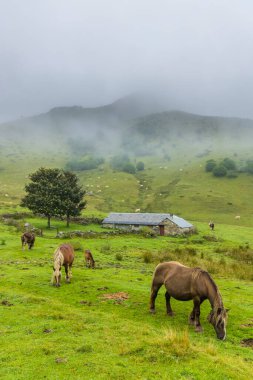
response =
{"points": [[184, 284], [63, 256], [29, 239], [90, 263], [211, 225]]}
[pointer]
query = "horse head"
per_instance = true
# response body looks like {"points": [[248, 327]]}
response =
{"points": [[218, 318]]}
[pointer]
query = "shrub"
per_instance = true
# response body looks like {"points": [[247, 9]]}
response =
{"points": [[210, 165], [147, 257], [232, 174], [229, 164], [119, 256], [219, 171], [106, 247], [118, 162], [249, 166], [77, 246], [128, 168], [140, 166], [86, 163], [147, 232]]}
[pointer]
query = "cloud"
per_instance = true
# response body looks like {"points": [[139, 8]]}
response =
{"points": [[196, 54]]}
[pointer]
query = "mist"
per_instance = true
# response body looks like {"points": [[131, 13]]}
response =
{"points": [[193, 56]]}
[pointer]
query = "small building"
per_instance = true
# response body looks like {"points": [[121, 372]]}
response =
{"points": [[162, 224]]}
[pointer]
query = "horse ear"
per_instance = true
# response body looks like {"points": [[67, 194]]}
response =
{"points": [[218, 310]]}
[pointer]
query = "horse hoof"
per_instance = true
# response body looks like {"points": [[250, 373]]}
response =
{"points": [[198, 329], [152, 311], [170, 314]]}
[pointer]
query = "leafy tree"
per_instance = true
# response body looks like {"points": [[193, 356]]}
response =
{"points": [[219, 171], [118, 162], [229, 164], [54, 192], [210, 164], [249, 166], [128, 167], [72, 196], [140, 166]]}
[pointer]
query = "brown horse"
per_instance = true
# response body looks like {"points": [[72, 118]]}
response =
{"points": [[29, 239], [90, 263], [63, 255], [184, 284]]}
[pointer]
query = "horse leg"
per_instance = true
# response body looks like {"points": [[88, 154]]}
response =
{"points": [[154, 290], [67, 272], [197, 303], [168, 306], [70, 271], [192, 317]]}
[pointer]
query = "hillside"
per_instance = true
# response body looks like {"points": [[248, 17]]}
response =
{"points": [[132, 125], [173, 146]]}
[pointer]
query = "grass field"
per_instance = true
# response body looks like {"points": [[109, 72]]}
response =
{"points": [[77, 331], [83, 330]]}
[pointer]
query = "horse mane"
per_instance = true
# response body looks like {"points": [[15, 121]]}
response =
{"points": [[197, 272], [58, 258]]}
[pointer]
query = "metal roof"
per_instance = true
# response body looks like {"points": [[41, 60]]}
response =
{"points": [[146, 219]]}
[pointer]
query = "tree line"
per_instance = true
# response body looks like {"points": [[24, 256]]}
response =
{"points": [[227, 168]]}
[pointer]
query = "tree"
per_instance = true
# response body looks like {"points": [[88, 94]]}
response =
{"points": [[229, 164], [219, 171], [72, 197], [140, 166], [210, 165], [128, 167], [54, 192]]}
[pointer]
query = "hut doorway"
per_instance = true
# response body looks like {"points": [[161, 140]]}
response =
{"points": [[161, 228]]}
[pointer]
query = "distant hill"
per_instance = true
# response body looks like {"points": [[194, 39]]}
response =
{"points": [[131, 124]]}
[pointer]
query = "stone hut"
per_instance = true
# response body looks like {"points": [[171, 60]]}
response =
{"points": [[163, 224]]}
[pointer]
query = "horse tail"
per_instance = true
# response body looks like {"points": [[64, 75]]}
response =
{"points": [[58, 258]]}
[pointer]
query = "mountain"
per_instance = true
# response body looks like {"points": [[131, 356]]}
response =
{"points": [[133, 124]]}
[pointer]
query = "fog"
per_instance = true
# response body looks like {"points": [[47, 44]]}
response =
{"points": [[191, 55]]}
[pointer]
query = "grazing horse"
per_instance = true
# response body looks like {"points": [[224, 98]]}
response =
{"points": [[29, 239], [211, 225], [184, 284], [63, 256], [90, 263]]}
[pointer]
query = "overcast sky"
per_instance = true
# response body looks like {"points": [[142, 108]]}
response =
{"points": [[197, 53]]}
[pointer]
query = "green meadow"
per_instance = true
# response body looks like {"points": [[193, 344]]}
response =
{"points": [[99, 326]]}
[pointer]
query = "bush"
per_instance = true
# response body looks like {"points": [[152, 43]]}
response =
{"points": [[219, 171], [229, 164], [147, 257], [86, 163], [140, 166], [129, 168], [210, 165], [249, 166], [77, 246], [118, 162], [119, 256], [147, 232]]}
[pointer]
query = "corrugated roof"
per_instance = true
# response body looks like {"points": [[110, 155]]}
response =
{"points": [[145, 219]]}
